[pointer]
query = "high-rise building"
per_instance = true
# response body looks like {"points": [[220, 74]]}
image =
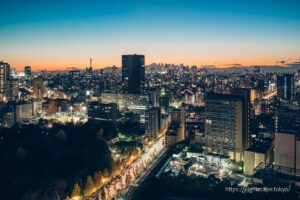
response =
{"points": [[286, 87], [224, 125], [152, 123], [164, 101], [4, 79], [133, 73], [38, 88], [176, 130], [178, 116], [27, 71], [246, 96], [174, 134], [107, 112], [261, 87], [287, 120], [154, 97]]}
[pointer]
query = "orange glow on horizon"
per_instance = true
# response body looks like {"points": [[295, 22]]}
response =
{"points": [[66, 65]]}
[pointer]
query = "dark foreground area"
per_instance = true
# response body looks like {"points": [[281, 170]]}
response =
{"points": [[42, 162], [182, 187]]}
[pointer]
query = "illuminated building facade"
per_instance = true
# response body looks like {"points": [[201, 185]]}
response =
{"points": [[135, 103], [4, 79], [107, 112], [224, 125], [286, 87], [152, 123]]}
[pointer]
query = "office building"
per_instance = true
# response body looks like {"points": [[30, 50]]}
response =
{"points": [[286, 87], [154, 97], [176, 129], [224, 125], [261, 87], [107, 112], [24, 112], [38, 88], [136, 103], [287, 119], [246, 97], [178, 115], [133, 73], [152, 123], [174, 134], [4, 80]]}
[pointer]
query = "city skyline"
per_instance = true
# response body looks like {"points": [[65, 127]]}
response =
{"points": [[59, 35]]}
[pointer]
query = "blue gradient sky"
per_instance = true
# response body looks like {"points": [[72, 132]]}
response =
{"points": [[58, 34]]}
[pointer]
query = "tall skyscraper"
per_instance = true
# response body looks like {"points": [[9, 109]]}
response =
{"points": [[224, 125], [286, 87], [4, 79], [152, 123], [133, 73], [27, 71]]}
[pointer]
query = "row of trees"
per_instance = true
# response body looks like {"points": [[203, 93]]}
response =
{"points": [[95, 182]]}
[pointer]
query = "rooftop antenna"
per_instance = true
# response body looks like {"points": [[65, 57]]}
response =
{"points": [[91, 62]]}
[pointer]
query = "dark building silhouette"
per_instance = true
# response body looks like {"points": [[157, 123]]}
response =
{"points": [[286, 87], [133, 73], [261, 87]]}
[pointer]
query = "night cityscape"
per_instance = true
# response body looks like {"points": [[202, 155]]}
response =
{"points": [[150, 100]]}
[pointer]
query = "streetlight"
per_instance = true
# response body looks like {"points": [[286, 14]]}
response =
{"points": [[71, 109], [83, 109]]}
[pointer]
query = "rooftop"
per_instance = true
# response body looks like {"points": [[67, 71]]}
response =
{"points": [[261, 147]]}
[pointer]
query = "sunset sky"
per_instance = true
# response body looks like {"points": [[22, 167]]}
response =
{"points": [[59, 34]]}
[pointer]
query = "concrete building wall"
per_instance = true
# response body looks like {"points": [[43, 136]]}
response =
{"points": [[251, 160], [284, 152]]}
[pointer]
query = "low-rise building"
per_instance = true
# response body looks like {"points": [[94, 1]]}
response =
{"points": [[258, 153]]}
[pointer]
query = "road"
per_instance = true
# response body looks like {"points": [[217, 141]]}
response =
{"points": [[268, 96], [133, 188]]}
